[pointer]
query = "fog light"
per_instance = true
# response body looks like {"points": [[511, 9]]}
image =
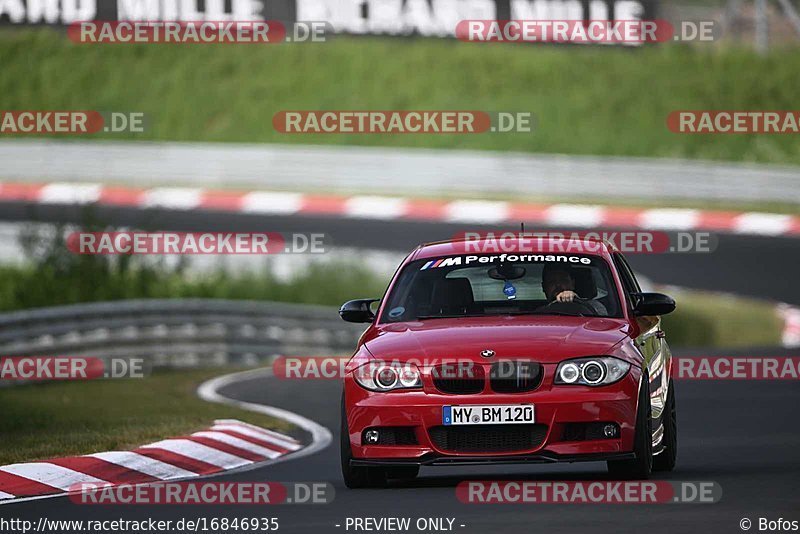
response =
{"points": [[371, 436], [610, 431]]}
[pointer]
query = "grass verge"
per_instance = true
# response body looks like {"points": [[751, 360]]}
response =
{"points": [[587, 100], [718, 320], [67, 418]]}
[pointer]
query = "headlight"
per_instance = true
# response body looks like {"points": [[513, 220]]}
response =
{"points": [[381, 376], [596, 371]]}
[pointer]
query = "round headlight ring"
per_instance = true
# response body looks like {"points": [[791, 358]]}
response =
{"points": [[408, 377], [569, 373], [593, 367], [386, 377]]}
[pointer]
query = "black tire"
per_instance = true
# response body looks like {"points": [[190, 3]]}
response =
{"points": [[640, 467], [666, 459], [356, 477]]}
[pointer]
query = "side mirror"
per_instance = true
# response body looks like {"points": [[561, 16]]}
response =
{"points": [[357, 311], [653, 304]]}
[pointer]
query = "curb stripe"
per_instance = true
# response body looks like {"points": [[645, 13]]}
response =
{"points": [[250, 439], [100, 468], [68, 193], [19, 486], [222, 200], [669, 219], [289, 440], [178, 198], [228, 444], [121, 196], [51, 474], [254, 438], [150, 467], [193, 465], [239, 443], [227, 448], [271, 202], [29, 192], [200, 451], [406, 208]]}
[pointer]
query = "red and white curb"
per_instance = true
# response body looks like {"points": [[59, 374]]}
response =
{"points": [[791, 325], [225, 446], [399, 208]]}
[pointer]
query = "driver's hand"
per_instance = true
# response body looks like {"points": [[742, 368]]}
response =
{"points": [[566, 296]]}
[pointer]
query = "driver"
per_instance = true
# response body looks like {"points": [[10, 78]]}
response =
{"points": [[559, 286]]}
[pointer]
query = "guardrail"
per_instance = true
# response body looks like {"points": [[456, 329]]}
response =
{"points": [[427, 172], [179, 332]]}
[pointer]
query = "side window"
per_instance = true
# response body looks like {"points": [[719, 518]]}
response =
{"points": [[629, 284], [636, 286]]}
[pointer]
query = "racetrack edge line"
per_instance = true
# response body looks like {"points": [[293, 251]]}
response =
{"points": [[321, 437]]}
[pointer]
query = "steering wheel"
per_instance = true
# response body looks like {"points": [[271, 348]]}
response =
{"points": [[578, 305]]}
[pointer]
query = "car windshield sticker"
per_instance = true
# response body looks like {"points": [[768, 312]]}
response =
{"points": [[396, 312], [509, 290], [501, 258]]}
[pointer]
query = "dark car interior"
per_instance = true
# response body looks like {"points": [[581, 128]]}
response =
{"points": [[452, 293]]}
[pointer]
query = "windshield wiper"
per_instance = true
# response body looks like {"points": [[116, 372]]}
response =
{"points": [[421, 317], [563, 314], [500, 314]]}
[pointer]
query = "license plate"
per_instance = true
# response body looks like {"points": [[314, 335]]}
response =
{"points": [[487, 415]]}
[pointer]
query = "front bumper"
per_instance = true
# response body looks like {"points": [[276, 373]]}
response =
{"points": [[555, 408]]}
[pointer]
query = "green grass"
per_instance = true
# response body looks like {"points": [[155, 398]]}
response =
{"points": [[51, 275], [66, 418], [332, 284], [704, 319], [587, 100]]}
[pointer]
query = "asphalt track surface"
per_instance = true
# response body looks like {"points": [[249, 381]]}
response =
{"points": [[740, 434]]}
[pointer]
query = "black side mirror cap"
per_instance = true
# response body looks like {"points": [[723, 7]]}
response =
{"points": [[653, 304], [357, 311]]}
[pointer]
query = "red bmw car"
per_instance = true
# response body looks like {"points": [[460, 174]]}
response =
{"points": [[549, 355]]}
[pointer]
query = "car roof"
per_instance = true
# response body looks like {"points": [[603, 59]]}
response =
{"points": [[515, 243]]}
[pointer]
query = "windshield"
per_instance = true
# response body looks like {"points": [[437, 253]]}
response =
{"points": [[483, 285]]}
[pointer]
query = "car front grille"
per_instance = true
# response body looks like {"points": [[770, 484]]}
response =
{"points": [[487, 438], [511, 376], [453, 379]]}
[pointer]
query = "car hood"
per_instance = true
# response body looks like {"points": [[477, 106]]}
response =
{"points": [[547, 339]]}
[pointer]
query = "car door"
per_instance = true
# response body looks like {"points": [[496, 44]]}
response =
{"points": [[652, 343]]}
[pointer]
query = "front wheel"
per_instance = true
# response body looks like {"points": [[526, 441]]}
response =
{"points": [[640, 467], [666, 459]]}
